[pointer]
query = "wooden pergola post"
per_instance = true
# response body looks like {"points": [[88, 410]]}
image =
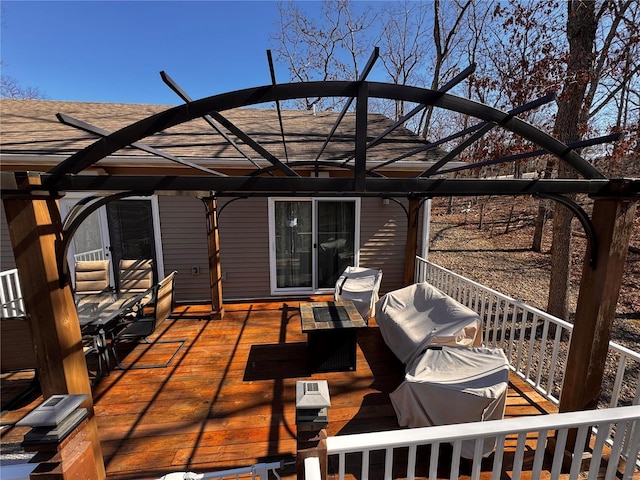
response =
{"points": [[411, 248], [35, 227], [215, 271], [599, 289]]}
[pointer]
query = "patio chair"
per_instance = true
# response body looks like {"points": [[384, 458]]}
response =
{"points": [[136, 276], [448, 385], [92, 277], [360, 286], [140, 328], [414, 317], [95, 346]]}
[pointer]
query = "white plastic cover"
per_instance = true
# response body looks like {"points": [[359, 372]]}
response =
{"points": [[414, 317], [448, 385], [360, 286]]}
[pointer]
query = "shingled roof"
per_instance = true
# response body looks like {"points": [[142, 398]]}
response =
{"points": [[30, 127]]}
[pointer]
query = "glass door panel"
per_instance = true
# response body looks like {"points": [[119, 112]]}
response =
{"points": [[87, 240], [335, 232], [293, 244], [131, 232]]}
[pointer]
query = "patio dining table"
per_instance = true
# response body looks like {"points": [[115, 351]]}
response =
{"points": [[102, 310], [99, 314]]}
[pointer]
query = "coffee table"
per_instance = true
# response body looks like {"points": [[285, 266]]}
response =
{"points": [[331, 329]]}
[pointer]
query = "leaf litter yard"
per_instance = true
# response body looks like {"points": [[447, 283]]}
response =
{"points": [[499, 255]]}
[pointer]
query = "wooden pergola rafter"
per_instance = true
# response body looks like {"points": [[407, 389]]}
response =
{"points": [[38, 234]]}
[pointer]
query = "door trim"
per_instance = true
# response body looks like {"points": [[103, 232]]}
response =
{"points": [[314, 258]]}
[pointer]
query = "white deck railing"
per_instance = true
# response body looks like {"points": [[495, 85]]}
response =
{"points": [[362, 455], [11, 295], [535, 342], [89, 255]]}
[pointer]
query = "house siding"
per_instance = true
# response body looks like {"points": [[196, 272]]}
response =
{"points": [[244, 245], [7, 260], [244, 248], [184, 246], [383, 233]]}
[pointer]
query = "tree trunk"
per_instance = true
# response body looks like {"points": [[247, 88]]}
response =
{"points": [[571, 120]]}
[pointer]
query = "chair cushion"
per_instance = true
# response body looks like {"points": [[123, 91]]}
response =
{"points": [[92, 276], [135, 275]]}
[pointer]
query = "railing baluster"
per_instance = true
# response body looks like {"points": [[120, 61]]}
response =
{"points": [[455, 459], [411, 462], [558, 454], [433, 461], [554, 361], [631, 453], [498, 457], [388, 464], [519, 455], [522, 336], [341, 466], [601, 437], [493, 320], [538, 459], [616, 449], [476, 466], [532, 343], [512, 331], [617, 385], [365, 465], [578, 450], [543, 352]]}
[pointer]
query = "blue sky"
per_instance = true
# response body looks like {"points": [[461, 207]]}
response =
{"points": [[113, 51]]}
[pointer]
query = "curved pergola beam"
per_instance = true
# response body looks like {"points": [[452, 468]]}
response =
{"points": [[270, 93]]}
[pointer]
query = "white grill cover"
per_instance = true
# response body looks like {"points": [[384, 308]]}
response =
{"points": [[359, 285], [448, 385], [419, 315]]}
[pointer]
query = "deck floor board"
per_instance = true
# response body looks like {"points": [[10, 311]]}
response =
{"points": [[228, 398]]}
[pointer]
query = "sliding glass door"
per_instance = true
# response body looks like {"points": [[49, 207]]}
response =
{"points": [[124, 229], [312, 242]]}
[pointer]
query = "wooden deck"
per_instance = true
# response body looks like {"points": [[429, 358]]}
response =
{"points": [[228, 398]]}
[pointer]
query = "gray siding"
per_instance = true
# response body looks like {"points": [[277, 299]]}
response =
{"points": [[184, 245], [244, 245], [383, 233], [7, 261], [244, 248]]}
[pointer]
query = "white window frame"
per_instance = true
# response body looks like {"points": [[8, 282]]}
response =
{"points": [[314, 258]]}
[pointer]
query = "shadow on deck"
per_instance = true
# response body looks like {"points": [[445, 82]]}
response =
{"points": [[228, 398]]}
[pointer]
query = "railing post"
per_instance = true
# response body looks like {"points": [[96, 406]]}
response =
{"points": [[411, 247], [215, 272], [319, 452]]}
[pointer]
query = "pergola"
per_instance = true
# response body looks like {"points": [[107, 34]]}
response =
{"points": [[40, 237]]}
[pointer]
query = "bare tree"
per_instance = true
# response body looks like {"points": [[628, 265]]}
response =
{"points": [[589, 54], [571, 123], [404, 31], [326, 48], [446, 35], [10, 88]]}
